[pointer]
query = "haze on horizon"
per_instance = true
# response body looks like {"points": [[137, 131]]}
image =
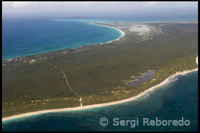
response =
{"points": [[98, 9]]}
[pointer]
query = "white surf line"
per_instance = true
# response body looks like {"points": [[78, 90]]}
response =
{"points": [[80, 99], [161, 29], [112, 28], [146, 92], [197, 60]]}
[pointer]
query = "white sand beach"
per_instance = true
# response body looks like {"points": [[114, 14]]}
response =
{"points": [[112, 28], [197, 60], [146, 92]]}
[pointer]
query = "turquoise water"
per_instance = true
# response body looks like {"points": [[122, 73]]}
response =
{"points": [[170, 102], [21, 37], [178, 99]]}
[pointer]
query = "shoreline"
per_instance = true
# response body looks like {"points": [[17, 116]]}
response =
{"points": [[166, 81], [90, 44], [197, 60], [122, 32], [94, 23]]}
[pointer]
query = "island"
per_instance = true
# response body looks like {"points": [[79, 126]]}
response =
{"points": [[145, 56]]}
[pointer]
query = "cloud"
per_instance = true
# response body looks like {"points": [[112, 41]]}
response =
{"points": [[97, 8], [95, 5], [150, 3], [17, 4]]}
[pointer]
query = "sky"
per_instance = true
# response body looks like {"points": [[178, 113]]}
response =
{"points": [[98, 9]]}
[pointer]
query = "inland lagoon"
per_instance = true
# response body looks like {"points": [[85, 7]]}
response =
{"points": [[177, 99], [128, 66]]}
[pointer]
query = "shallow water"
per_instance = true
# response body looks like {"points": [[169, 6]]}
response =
{"points": [[170, 102], [21, 37]]}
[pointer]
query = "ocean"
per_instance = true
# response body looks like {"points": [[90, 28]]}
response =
{"points": [[21, 37], [26, 36], [177, 100], [174, 101]]}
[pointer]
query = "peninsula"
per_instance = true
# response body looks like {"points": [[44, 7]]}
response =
{"points": [[146, 56]]}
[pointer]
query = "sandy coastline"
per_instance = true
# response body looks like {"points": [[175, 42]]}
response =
{"points": [[78, 46], [112, 28], [167, 80], [197, 60]]}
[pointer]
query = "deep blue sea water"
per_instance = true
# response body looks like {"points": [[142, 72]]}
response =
{"points": [[174, 101], [26, 36], [178, 99], [22, 37]]}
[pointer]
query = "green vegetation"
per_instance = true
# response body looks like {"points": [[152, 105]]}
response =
{"points": [[96, 72]]}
